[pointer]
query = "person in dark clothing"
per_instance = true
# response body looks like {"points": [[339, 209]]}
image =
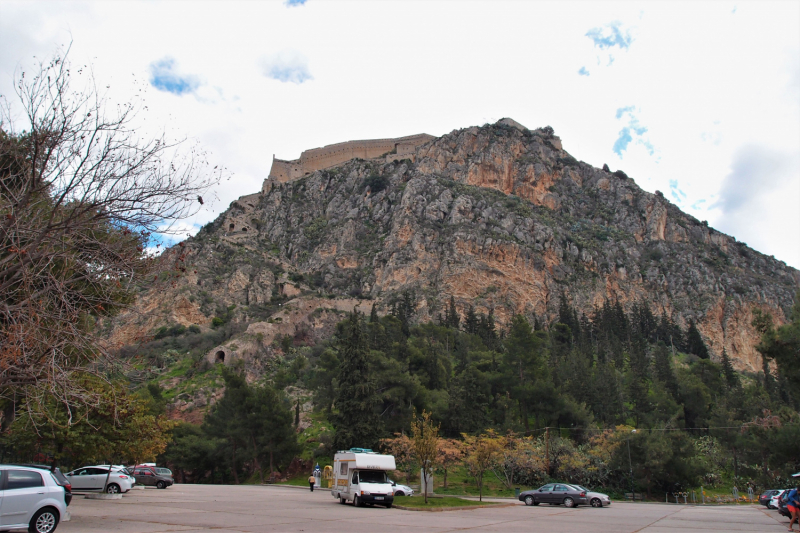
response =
{"points": [[311, 481]]}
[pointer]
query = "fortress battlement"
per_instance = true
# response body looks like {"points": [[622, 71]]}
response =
{"points": [[336, 154]]}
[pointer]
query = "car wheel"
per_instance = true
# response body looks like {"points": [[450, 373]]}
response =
{"points": [[569, 502], [388, 505], [399, 493], [44, 521], [161, 485], [529, 500], [112, 488], [596, 502]]}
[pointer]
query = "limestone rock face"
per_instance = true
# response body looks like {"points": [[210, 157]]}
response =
{"points": [[499, 217]]}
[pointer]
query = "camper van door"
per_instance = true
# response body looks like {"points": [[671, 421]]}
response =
{"points": [[354, 482], [343, 478]]}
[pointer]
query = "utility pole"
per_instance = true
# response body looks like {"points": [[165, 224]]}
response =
{"points": [[630, 465], [547, 448]]}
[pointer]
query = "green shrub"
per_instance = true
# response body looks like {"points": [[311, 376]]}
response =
{"points": [[315, 228], [375, 183]]}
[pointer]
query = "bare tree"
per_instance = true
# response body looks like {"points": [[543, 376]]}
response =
{"points": [[81, 195]]}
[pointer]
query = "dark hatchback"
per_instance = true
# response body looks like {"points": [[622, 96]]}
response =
{"points": [[147, 475], [555, 494]]}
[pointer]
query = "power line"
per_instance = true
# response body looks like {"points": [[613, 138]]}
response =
{"points": [[743, 426]]}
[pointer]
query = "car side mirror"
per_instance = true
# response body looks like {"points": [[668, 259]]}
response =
{"points": [[394, 484]]}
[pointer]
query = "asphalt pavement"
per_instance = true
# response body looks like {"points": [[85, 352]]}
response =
{"points": [[250, 509]]}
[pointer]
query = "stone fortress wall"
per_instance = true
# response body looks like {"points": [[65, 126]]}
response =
{"points": [[336, 154]]}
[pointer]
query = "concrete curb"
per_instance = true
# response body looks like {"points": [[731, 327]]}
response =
{"points": [[464, 508]]}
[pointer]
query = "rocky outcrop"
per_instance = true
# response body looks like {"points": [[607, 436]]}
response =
{"points": [[499, 217]]}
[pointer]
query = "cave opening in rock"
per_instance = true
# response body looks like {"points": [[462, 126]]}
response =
{"points": [[232, 227], [220, 358]]}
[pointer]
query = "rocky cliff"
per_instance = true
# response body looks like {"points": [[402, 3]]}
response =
{"points": [[499, 217]]}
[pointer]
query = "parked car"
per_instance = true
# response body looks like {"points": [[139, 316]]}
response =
{"points": [[60, 478], [148, 476], [93, 479], [401, 490], [555, 494], [32, 499], [164, 472], [766, 496], [596, 499], [774, 502]]}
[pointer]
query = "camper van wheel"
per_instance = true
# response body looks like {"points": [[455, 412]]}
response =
{"points": [[342, 500], [357, 502]]}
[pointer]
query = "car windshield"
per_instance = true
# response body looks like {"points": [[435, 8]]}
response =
{"points": [[372, 476], [164, 471]]}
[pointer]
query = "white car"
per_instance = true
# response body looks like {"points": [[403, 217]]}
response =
{"points": [[401, 490], [31, 499], [93, 478], [775, 500], [596, 499]]}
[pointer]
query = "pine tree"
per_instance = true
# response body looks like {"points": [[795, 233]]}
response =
{"points": [[731, 378], [694, 342], [662, 363], [373, 315], [452, 317], [356, 421], [471, 322]]}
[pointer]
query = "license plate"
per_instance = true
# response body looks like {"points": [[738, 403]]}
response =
{"points": [[378, 497]]}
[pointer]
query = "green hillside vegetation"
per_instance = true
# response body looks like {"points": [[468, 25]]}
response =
{"points": [[571, 392]]}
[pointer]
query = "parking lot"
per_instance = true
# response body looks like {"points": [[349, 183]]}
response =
{"points": [[191, 508]]}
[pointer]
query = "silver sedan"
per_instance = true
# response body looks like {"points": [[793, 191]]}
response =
{"points": [[596, 499]]}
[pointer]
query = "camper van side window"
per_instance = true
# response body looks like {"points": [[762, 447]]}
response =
{"points": [[342, 469], [355, 478]]}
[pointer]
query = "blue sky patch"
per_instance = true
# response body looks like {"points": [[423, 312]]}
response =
{"points": [[677, 194], [633, 131], [622, 141], [610, 36], [295, 3], [583, 72], [164, 76]]}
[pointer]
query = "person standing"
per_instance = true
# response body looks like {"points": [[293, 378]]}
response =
{"points": [[793, 505], [311, 481]]}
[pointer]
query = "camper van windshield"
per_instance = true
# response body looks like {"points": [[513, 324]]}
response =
{"points": [[372, 476]]}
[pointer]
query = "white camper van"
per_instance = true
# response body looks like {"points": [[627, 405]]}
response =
{"points": [[359, 476]]}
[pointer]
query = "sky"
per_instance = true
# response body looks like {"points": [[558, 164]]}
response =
{"points": [[700, 100]]}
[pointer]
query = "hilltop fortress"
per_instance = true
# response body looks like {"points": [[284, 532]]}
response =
{"points": [[336, 154]]}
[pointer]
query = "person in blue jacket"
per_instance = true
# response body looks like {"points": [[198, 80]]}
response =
{"points": [[793, 505]]}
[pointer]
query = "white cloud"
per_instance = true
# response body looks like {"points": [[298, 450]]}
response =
{"points": [[287, 66]]}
